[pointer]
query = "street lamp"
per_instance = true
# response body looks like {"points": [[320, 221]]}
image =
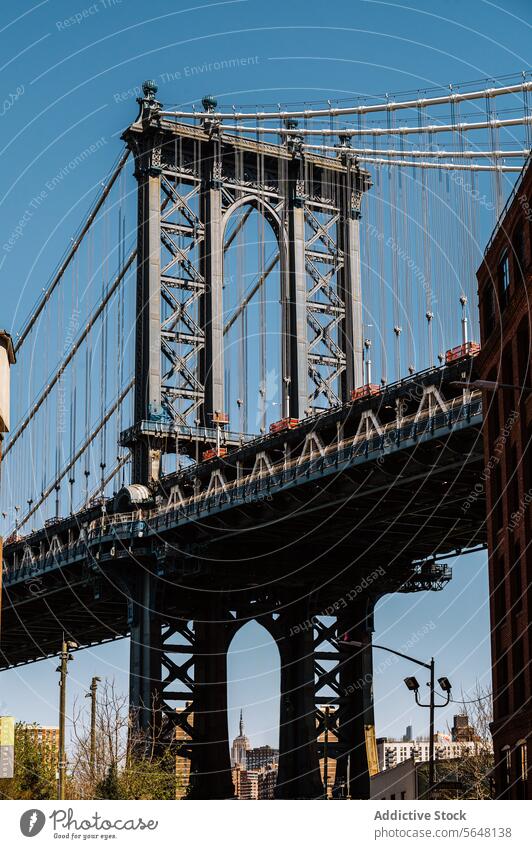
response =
{"points": [[413, 685], [65, 656]]}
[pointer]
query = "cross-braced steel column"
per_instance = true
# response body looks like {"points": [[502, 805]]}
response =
{"points": [[299, 774], [146, 460], [212, 370], [356, 698], [297, 289], [351, 335]]}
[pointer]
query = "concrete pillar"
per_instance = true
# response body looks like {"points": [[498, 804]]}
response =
{"points": [[145, 656], [299, 773], [210, 772]]}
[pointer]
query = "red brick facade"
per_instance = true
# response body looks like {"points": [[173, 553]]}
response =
{"points": [[505, 301]]}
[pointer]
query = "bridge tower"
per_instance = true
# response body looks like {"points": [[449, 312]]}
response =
{"points": [[191, 179]]}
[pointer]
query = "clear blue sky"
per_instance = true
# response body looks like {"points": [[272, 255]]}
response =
{"points": [[67, 86]]}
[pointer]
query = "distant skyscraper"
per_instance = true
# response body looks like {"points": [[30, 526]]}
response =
{"points": [[408, 736], [240, 746]]}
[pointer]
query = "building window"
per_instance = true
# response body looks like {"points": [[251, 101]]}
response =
{"points": [[504, 278], [521, 768], [499, 594], [506, 770], [518, 675], [488, 309], [502, 700], [518, 248], [517, 584]]}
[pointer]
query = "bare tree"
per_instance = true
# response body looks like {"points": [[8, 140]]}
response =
{"points": [[473, 769], [130, 763]]}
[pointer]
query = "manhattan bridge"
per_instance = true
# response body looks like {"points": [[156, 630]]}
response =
{"points": [[244, 395]]}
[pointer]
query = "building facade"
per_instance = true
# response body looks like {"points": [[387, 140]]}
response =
{"points": [[505, 292], [182, 760], [7, 358], [255, 783], [391, 753], [261, 756], [45, 738]]}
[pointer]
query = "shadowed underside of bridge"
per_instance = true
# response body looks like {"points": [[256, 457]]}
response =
{"points": [[320, 521]]}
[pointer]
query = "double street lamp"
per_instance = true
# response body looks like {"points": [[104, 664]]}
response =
{"points": [[413, 685]]}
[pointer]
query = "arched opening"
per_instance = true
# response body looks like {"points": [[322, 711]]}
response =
{"points": [[252, 319], [253, 688]]}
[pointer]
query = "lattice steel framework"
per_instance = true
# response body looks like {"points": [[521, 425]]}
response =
{"points": [[191, 179]]}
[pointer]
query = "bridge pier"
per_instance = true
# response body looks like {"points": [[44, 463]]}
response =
{"points": [[210, 770], [145, 656], [299, 773], [356, 698]]}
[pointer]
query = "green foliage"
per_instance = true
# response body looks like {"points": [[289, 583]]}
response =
{"points": [[109, 786], [35, 768], [150, 778]]}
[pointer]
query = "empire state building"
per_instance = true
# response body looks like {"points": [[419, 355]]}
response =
{"points": [[240, 747]]}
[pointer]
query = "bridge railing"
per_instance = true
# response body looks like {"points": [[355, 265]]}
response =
{"points": [[343, 451]]}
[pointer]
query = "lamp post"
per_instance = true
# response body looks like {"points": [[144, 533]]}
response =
{"points": [[413, 685], [92, 696], [65, 656]]}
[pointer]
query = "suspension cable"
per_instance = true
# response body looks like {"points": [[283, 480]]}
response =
{"points": [[21, 337]]}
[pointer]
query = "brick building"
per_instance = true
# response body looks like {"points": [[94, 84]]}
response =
{"points": [[505, 291]]}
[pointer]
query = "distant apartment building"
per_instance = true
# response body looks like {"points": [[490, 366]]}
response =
{"points": [[505, 361], [327, 743], [256, 783], [261, 756], [46, 738], [7, 358], [182, 760], [391, 753]]}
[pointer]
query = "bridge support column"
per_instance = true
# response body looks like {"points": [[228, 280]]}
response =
{"points": [[297, 347], [356, 699], [299, 773], [145, 657], [210, 774]]}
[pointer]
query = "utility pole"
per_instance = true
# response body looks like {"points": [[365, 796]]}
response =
{"points": [[65, 656], [92, 696]]}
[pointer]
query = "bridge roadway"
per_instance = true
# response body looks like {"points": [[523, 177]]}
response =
{"points": [[359, 501], [351, 489]]}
